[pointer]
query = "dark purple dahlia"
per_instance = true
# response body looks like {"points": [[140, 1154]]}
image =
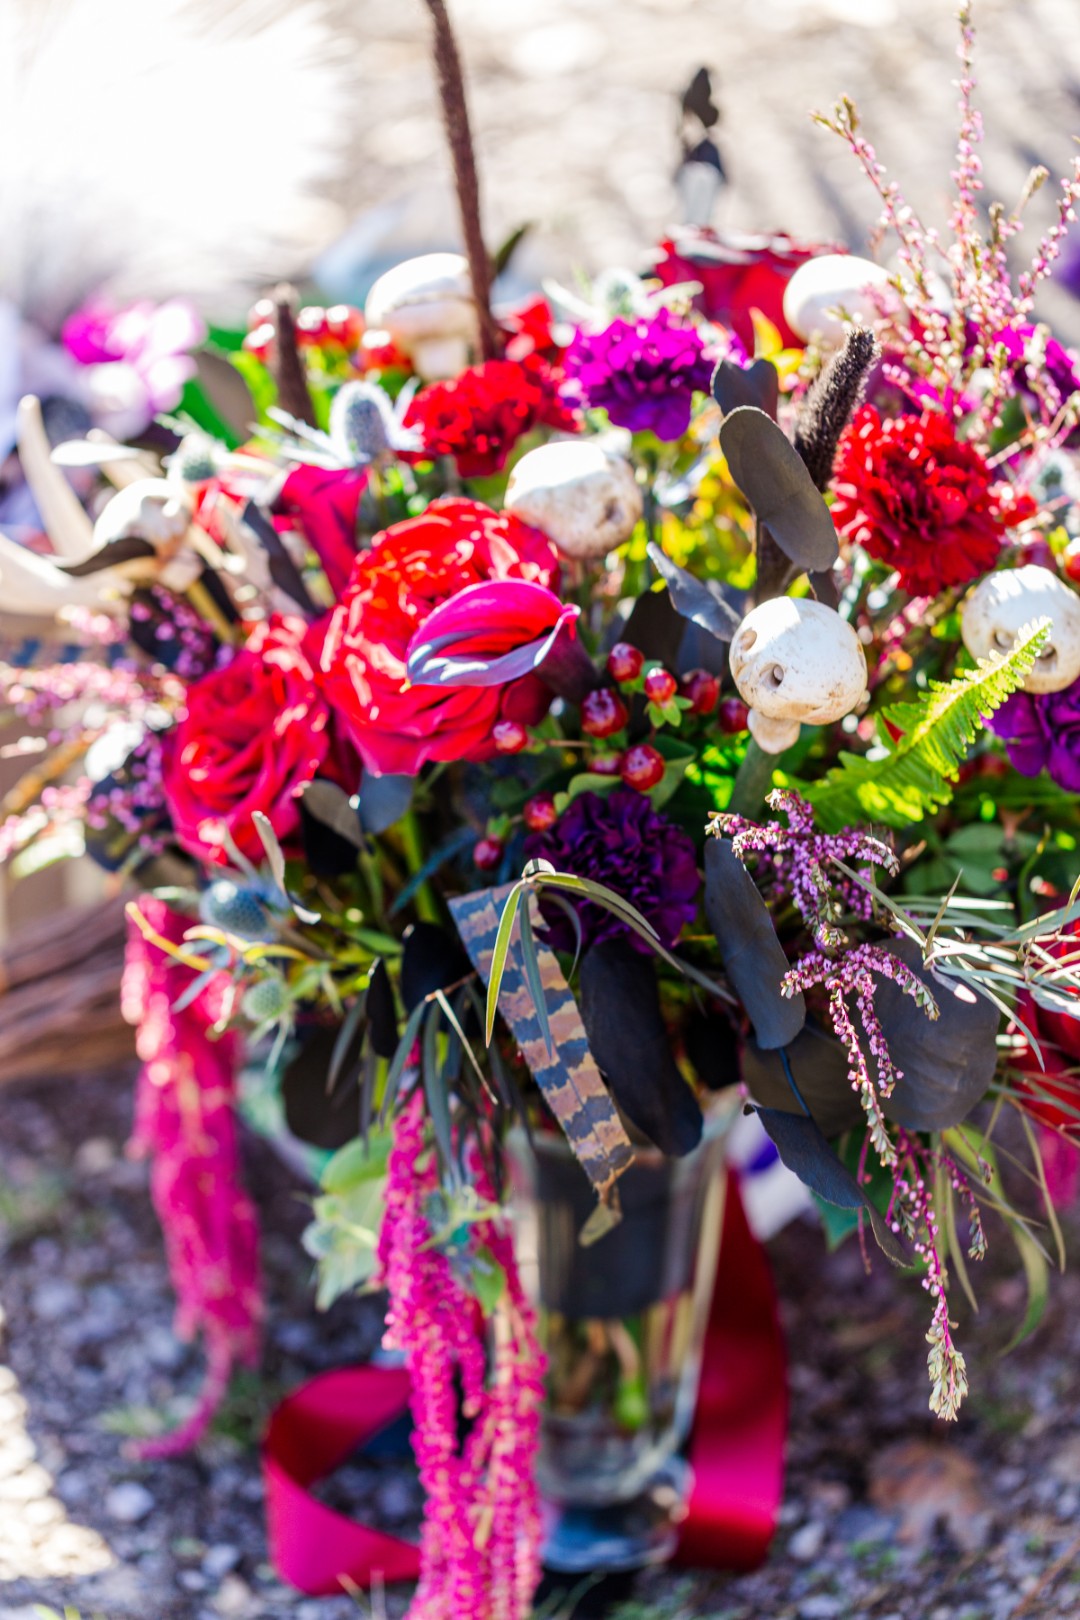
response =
{"points": [[1041, 732], [623, 843], [643, 372]]}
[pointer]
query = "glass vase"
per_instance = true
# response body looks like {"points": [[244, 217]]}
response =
{"points": [[622, 1323]]}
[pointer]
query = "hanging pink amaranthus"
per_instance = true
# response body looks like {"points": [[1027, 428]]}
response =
{"points": [[481, 1538], [185, 1123]]}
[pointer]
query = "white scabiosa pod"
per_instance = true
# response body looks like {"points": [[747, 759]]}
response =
{"points": [[1006, 602], [426, 306], [795, 663], [584, 497], [829, 294]]}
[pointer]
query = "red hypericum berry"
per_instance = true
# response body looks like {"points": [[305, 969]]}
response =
{"points": [[733, 716], [261, 310], [540, 813], [509, 737], [642, 767], [624, 662], [311, 325], [603, 712], [1070, 560], [487, 853], [702, 690], [660, 687], [345, 325], [260, 340], [606, 764]]}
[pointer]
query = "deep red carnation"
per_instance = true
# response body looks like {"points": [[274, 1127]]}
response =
{"points": [[254, 733], [918, 498], [479, 416], [410, 569]]}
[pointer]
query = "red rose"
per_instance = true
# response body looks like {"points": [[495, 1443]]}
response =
{"points": [[918, 498], [479, 417], [323, 503], [410, 569], [253, 734], [737, 273]]}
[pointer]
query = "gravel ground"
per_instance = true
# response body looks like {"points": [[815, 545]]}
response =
{"points": [[887, 1513]]}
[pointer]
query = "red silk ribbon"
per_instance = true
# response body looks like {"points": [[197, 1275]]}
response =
{"points": [[736, 1445]]}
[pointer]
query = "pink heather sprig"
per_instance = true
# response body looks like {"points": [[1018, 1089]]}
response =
{"points": [[185, 1123], [1050, 246], [799, 857], [852, 974], [481, 1537], [912, 1211]]}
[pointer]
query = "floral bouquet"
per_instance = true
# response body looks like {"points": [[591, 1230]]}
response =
{"points": [[595, 714]]}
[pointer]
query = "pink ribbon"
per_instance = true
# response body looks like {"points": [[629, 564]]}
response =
{"points": [[736, 1445]]}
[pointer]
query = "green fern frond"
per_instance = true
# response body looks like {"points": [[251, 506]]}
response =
{"points": [[918, 774]]}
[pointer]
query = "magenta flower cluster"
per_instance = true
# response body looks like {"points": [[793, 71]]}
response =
{"points": [[1041, 732], [643, 372], [480, 1546]]}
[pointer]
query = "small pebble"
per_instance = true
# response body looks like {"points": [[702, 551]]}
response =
{"points": [[129, 1502], [807, 1542], [234, 1596], [220, 1560], [54, 1299], [820, 1607]]}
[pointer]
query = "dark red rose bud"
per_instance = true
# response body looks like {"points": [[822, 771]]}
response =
{"points": [[487, 853], [509, 737], [624, 662], [1070, 561], [660, 687], [345, 325], [540, 813], [603, 713], [703, 692], [263, 309], [606, 764], [642, 767], [259, 340], [733, 716]]}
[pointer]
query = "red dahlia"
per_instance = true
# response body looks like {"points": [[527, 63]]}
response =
{"points": [[918, 498], [479, 416]]}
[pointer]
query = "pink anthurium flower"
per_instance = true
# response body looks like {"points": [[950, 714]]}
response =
{"points": [[490, 634]]}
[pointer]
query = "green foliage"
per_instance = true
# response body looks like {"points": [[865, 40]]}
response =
{"points": [[343, 1236], [916, 775]]}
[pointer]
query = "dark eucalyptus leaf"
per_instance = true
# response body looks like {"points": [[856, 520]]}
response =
{"points": [[431, 960], [757, 385], [702, 601], [325, 1119], [804, 1150], [655, 627], [620, 1008], [713, 1048], [329, 829], [383, 800], [381, 1012], [753, 958], [283, 571], [947, 1062], [125, 549], [773, 476], [819, 1063]]}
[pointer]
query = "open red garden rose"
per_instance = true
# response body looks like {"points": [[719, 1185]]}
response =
{"points": [[411, 569], [254, 733], [738, 273]]}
